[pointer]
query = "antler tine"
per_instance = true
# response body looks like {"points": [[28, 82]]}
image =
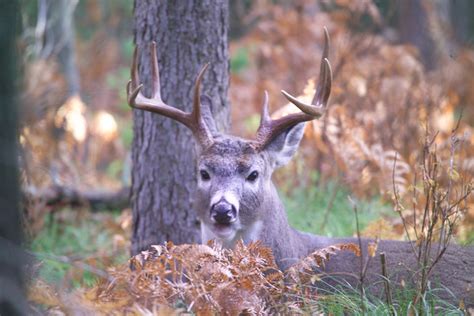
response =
{"points": [[155, 104], [269, 129], [133, 88], [265, 117], [202, 132], [197, 94], [155, 72], [325, 74]]}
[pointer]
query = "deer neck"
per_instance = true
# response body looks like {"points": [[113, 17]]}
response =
{"points": [[288, 244]]}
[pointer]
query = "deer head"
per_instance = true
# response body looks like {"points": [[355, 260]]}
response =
{"points": [[235, 196]]}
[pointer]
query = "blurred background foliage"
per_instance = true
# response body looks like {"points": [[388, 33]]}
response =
{"points": [[402, 70]]}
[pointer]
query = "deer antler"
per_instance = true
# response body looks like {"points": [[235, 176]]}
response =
{"points": [[155, 104], [269, 128]]}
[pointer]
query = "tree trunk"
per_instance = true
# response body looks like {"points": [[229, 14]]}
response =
{"points": [[414, 27], [12, 300], [67, 53], [462, 20], [422, 23], [188, 35], [56, 37]]}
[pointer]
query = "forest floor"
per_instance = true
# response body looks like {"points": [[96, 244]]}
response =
{"points": [[77, 248]]}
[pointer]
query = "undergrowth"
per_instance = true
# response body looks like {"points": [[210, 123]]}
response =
{"points": [[344, 304], [73, 247], [345, 300], [98, 240], [205, 280]]}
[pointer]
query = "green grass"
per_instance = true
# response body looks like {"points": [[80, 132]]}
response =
{"points": [[344, 299], [70, 247], [469, 239], [326, 210], [347, 301]]}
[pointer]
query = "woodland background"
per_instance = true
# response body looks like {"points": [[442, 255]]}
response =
{"points": [[402, 75]]}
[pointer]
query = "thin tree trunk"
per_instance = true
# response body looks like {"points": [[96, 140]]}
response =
{"points": [[414, 28], [12, 300], [421, 23], [462, 19], [188, 35], [56, 37], [67, 53]]}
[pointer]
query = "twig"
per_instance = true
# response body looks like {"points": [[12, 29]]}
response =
{"points": [[441, 202], [363, 266], [398, 205], [388, 292]]}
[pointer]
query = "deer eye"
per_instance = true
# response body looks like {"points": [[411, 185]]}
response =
{"points": [[205, 175], [253, 176]]}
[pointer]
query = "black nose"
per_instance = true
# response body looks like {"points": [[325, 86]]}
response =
{"points": [[223, 212]]}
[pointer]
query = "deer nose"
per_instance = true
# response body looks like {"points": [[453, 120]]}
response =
{"points": [[223, 212]]}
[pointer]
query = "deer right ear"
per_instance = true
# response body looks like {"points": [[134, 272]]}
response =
{"points": [[283, 147], [206, 105]]}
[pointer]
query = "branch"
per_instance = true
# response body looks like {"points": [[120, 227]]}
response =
{"points": [[96, 199]]}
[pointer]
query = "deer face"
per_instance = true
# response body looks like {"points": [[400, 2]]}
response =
{"points": [[231, 180], [234, 178]]}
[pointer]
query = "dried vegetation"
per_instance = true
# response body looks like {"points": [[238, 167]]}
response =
{"points": [[202, 279]]}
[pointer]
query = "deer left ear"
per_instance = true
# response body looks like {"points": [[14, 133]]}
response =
{"points": [[284, 146]]}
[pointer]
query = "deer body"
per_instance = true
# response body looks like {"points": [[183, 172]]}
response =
{"points": [[236, 199]]}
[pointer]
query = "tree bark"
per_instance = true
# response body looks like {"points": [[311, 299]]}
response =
{"points": [[188, 35], [12, 300]]}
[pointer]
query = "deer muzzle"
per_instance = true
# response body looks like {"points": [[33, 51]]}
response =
{"points": [[223, 213]]}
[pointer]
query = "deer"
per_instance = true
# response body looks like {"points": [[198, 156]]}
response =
{"points": [[235, 197]]}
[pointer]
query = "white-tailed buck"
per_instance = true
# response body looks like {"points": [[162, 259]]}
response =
{"points": [[236, 199]]}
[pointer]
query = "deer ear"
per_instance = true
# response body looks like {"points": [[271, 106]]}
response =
{"points": [[284, 146], [206, 104]]}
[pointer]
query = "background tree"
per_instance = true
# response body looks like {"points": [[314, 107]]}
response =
{"points": [[55, 36], [12, 300], [436, 28], [188, 34]]}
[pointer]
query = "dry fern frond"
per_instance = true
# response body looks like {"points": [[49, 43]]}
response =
{"points": [[207, 278]]}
